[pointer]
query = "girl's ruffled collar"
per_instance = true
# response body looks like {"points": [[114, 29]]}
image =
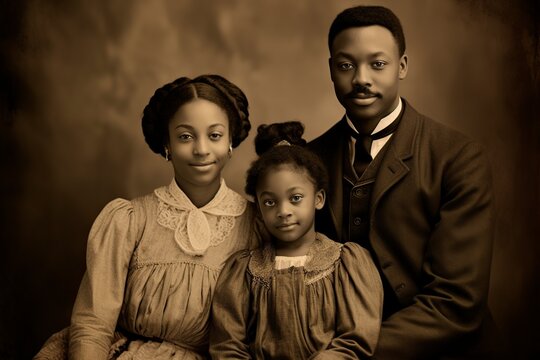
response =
{"points": [[321, 258]]}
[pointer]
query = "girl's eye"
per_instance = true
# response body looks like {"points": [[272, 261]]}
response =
{"points": [[379, 64], [269, 203], [345, 66], [216, 136], [296, 198]]}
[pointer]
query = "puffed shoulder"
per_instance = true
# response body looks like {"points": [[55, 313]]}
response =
{"points": [[239, 259], [115, 227], [357, 260], [353, 252]]}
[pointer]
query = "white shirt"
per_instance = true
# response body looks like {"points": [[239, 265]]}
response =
{"points": [[378, 144]]}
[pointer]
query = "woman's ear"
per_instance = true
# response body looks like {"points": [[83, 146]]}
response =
{"points": [[320, 197]]}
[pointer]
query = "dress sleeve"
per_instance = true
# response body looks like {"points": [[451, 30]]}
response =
{"points": [[110, 246], [230, 310], [359, 299]]}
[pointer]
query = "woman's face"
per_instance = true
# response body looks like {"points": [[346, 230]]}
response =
{"points": [[199, 142]]}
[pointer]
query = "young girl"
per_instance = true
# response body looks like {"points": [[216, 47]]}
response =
{"points": [[152, 263], [301, 295]]}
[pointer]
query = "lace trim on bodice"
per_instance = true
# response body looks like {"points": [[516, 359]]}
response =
{"points": [[320, 262], [197, 229]]}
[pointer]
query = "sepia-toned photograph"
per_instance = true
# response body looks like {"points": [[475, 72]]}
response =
{"points": [[256, 179]]}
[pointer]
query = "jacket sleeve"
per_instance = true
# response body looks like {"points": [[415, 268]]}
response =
{"points": [[359, 299], [99, 300], [230, 310], [455, 270]]}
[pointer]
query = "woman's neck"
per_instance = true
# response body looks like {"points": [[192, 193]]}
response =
{"points": [[200, 195]]}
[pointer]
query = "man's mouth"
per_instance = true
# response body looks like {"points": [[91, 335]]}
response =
{"points": [[363, 99]]}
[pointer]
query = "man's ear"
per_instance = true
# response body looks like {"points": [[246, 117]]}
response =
{"points": [[320, 198], [403, 67]]}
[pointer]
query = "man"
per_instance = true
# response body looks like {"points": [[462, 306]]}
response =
{"points": [[414, 192]]}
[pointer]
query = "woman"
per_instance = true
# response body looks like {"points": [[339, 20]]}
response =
{"points": [[152, 262]]}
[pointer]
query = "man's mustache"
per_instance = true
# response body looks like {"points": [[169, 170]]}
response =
{"points": [[360, 89]]}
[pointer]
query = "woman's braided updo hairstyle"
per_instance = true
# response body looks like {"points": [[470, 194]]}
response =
{"points": [[169, 98], [282, 144]]}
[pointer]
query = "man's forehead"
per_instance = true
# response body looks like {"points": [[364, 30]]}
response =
{"points": [[373, 39]]}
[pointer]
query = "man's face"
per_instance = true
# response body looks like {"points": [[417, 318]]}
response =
{"points": [[365, 67]]}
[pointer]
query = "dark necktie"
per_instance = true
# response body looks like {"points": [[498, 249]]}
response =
{"points": [[362, 147]]}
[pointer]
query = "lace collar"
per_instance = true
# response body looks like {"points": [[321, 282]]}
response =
{"points": [[320, 261], [197, 229]]}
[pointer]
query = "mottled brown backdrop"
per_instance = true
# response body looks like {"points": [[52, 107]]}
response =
{"points": [[75, 76]]}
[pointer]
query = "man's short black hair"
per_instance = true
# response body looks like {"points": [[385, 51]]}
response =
{"points": [[360, 16]]}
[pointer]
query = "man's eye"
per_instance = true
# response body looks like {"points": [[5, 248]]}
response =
{"points": [[269, 203], [296, 198], [379, 64], [345, 66]]}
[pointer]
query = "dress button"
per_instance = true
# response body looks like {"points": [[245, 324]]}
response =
{"points": [[400, 287], [357, 221]]}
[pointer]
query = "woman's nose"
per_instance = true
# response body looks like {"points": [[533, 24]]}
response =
{"points": [[200, 147]]}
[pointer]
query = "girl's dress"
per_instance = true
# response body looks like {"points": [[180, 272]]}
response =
{"points": [[152, 266], [329, 307]]}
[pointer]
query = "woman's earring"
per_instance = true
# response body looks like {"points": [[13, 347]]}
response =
{"points": [[167, 154], [230, 150]]}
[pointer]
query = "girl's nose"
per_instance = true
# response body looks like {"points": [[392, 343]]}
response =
{"points": [[284, 211]]}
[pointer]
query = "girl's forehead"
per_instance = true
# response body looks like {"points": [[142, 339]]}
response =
{"points": [[286, 172]]}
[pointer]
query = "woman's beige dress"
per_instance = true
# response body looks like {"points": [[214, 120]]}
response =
{"points": [[152, 266]]}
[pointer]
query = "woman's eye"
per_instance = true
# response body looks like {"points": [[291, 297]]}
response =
{"points": [[296, 198], [269, 203], [185, 137], [216, 136]]}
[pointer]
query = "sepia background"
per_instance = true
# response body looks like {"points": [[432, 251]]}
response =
{"points": [[75, 76]]}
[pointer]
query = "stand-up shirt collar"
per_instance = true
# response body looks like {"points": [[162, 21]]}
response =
{"points": [[378, 144]]}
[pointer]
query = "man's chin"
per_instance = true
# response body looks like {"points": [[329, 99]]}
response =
{"points": [[363, 113]]}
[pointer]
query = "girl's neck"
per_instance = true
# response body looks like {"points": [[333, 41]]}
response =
{"points": [[200, 195], [284, 248]]}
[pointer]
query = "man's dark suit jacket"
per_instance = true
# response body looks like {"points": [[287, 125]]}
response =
{"points": [[430, 233]]}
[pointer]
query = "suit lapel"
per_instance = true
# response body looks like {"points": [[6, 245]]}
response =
{"points": [[393, 168]]}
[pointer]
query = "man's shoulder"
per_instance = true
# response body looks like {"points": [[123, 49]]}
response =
{"points": [[330, 136], [434, 131]]}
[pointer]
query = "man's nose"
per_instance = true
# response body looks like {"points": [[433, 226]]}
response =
{"points": [[362, 76]]}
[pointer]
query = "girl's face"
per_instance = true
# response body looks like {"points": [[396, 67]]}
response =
{"points": [[287, 199], [199, 144]]}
